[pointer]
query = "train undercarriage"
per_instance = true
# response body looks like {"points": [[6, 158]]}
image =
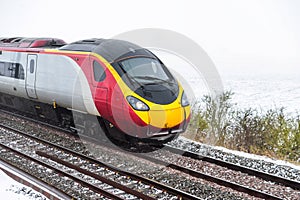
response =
{"points": [[79, 123]]}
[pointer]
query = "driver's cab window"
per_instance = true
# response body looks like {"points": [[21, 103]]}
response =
{"points": [[99, 73]]}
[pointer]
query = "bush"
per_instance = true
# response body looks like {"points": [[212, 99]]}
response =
{"points": [[217, 121]]}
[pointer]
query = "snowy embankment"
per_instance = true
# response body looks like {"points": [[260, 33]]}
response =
{"points": [[243, 154], [12, 190], [261, 163]]}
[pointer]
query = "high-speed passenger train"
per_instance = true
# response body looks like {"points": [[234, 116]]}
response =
{"points": [[124, 86]]}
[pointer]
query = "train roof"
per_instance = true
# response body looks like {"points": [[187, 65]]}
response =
{"points": [[23, 42], [110, 49]]}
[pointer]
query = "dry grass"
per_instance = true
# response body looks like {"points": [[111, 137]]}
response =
{"points": [[272, 133]]}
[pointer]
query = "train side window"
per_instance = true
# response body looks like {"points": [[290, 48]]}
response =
{"points": [[31, 66], [13, 70], [20, 74], [99, 73], [2, 68]]}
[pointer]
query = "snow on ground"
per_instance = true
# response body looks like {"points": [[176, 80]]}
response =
{"points": [[258, 157], [12, 190], [246, 155]]}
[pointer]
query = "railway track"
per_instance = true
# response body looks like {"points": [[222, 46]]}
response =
{"points": [[268, 177], [120, 184], [195, 173], [29, 162], [32, 182], [220, 181], [271, 179]]}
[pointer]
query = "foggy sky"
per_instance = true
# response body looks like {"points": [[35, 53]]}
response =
{"points": [[238, 35]]}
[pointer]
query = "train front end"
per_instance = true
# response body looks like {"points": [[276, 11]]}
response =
{"points": [[155, 107]]}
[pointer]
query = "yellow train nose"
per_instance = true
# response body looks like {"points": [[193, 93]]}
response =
{"points": [[166, 118]]}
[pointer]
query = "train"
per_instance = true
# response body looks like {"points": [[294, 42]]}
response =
{"points": [[128, 90]]}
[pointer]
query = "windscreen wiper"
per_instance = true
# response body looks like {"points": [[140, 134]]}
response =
{"points": [[153, 78]]}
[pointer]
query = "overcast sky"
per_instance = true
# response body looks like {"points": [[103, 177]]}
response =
{"points": [[237, 35]]}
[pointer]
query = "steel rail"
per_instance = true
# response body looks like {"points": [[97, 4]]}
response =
{"points": [[31, 181], [181, 194], [266, 176], [58, 171], [234, 186]]}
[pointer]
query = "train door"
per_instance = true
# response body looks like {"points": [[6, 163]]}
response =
{"points": [[31, 75], [99, 87]]}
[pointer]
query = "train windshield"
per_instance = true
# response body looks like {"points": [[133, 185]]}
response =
{"points": [[146, 70]]}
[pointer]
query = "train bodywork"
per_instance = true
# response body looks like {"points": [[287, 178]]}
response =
{"points": [[125, 86]]}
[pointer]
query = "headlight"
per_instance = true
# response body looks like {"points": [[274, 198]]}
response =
{"points": [[184, 100], [137, 104]]}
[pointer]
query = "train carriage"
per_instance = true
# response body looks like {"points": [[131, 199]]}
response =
{"points": [[126, 87]]}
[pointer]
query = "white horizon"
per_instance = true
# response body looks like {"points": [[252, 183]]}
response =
{"points": [[247, 36]]}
